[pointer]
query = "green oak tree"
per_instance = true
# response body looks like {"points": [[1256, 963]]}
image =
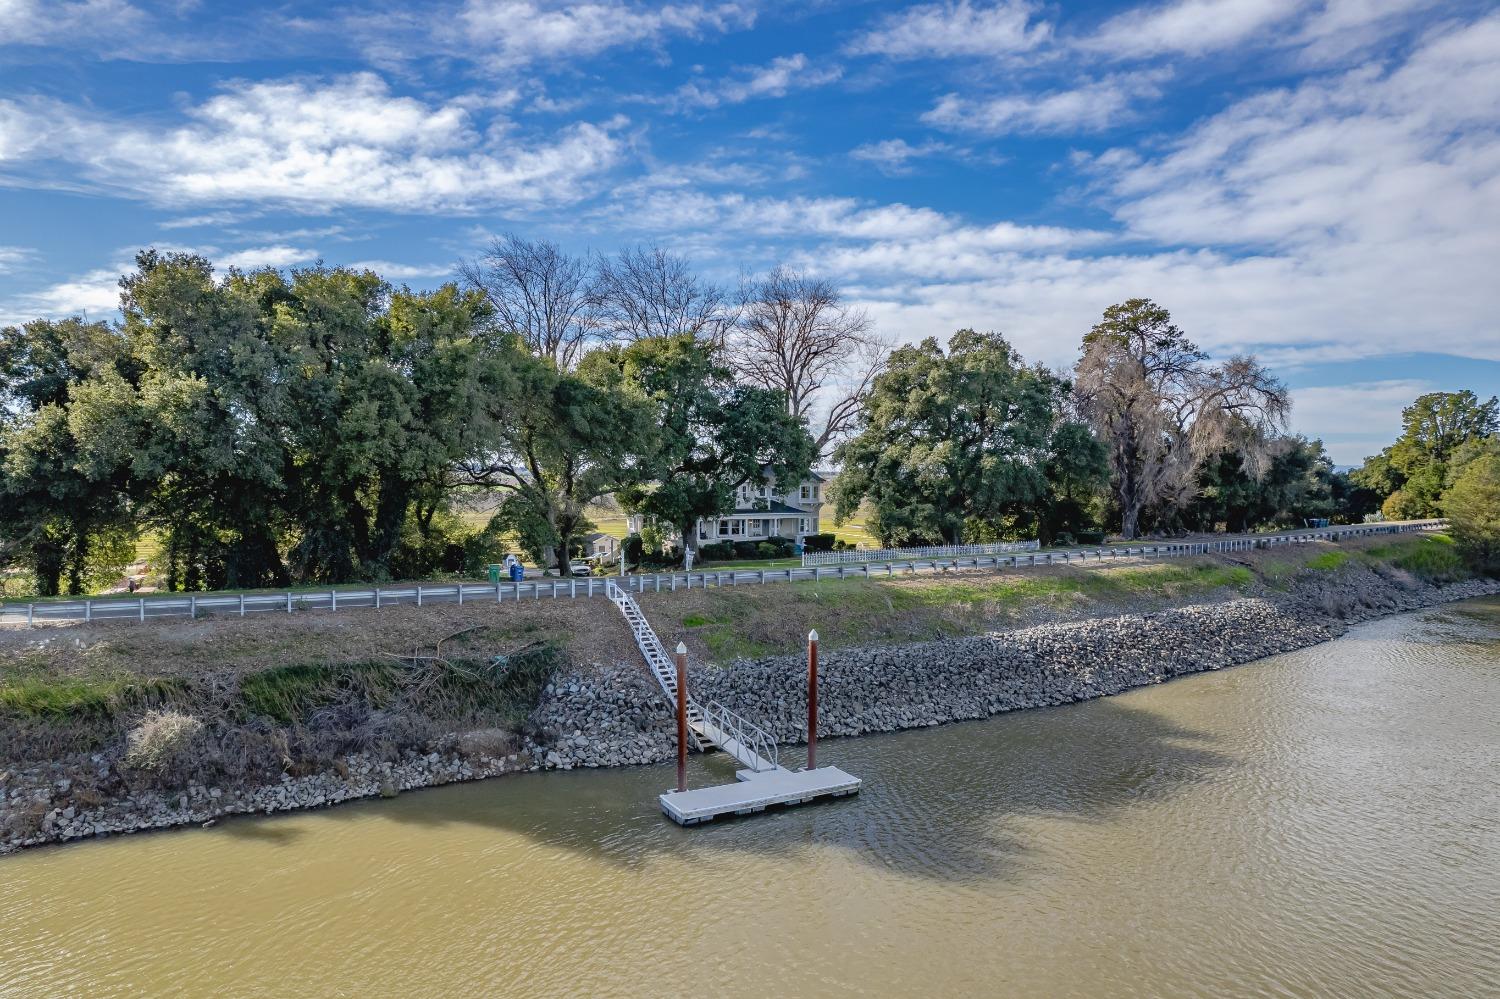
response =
{"points": [[552, 442], [713, 435], [952, 438], [1435, 428]]}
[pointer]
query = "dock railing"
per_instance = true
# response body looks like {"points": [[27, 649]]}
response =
{"points": [[751, 744]]}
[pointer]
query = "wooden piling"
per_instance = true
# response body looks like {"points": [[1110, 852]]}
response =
{"points": [[812, 700], [682, 726]]}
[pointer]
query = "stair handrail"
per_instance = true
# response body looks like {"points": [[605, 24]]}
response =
{"points": [[744, 731]]}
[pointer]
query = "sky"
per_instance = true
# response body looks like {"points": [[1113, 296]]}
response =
{"points": [[1314, 182]]}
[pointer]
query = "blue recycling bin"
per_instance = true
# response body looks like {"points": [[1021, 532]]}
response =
{"points": [[516, 572]]}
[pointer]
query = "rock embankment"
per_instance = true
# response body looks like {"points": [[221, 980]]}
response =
{"points": [[618, 716]]}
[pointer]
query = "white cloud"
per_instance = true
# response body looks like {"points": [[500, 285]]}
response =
{"points": [[962, 28], [49, 22], [255, 257], [1355, 420], [1369, 159], [11, 256], [95, 294], [894, 156], [313, 145], [512, 33], [776, 79], [1322, 31], [205, 220], [1093, 105], [1190, 27], [403, 272]]}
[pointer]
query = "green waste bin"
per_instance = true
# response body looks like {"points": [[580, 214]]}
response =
{"points": [[495, 571]]}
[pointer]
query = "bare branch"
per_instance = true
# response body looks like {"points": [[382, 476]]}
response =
{"points": [[539, 293], [796, 334], [648, 292]]}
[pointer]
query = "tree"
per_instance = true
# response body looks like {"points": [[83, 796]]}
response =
{"points": [[713, 435], [950, 438], [1162, 410], [1435, 428], [1297, 483], [540, 294], [552, 442], [1472, 505], [1076, 472], [796, 335], [646, 292], [69, 423], [214, 399]]}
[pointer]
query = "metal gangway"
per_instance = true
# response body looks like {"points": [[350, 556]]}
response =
{"points": [[712, 725]]}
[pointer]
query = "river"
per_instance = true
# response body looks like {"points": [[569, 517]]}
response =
{"points": [[1320, 823]]}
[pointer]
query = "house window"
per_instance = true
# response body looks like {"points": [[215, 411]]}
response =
{"points": [[801, 525], [731, 528]]}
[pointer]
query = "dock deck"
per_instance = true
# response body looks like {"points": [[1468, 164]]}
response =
{"points": [[755, 792]]}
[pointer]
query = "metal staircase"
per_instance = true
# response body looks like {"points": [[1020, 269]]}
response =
{"points": [[712, 725]]}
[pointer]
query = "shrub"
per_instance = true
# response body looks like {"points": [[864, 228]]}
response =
{"points": [[1091, 537], [818, 542], [782, 546], [1472, 505], [1063, 538], [161, 739], [766, 550], [632, 547], [490, 743], [746, 549], [717, 551]]}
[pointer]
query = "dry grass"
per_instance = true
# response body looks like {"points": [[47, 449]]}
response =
{"points": [[182, 647]]}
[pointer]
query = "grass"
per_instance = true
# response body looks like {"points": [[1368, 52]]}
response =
{"points": [[1433, 557], [290, 693], [460, 688], [755, 623], [37, 695], [1328, 561]]}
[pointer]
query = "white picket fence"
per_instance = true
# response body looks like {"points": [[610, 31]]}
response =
{"points": [[192, 605], [853, 556]]}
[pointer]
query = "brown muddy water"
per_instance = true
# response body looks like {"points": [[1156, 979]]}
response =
{"points": [[1317, 824]]}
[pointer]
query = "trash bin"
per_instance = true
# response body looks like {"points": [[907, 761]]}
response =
{"points": [[495, 574], [517, 573]]}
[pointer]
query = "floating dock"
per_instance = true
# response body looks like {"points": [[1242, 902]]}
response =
{"points": [[755, 791], [764, 783]]}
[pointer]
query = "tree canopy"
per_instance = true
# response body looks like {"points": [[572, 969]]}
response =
{"points": [[950, 437], [713, 435], [1162, 410]]}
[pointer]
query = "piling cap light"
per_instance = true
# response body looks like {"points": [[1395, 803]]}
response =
{"points": [[812, 636], [682, 648]]}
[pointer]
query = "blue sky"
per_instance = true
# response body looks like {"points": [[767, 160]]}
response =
{"points": [[1318, 182]]}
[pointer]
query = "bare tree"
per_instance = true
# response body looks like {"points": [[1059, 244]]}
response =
{"points": [[1161, 409], [648, 292], [540, 293], [796, 334]]}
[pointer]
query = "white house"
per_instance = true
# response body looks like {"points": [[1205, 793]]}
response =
{"points": [[761, 512]]}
